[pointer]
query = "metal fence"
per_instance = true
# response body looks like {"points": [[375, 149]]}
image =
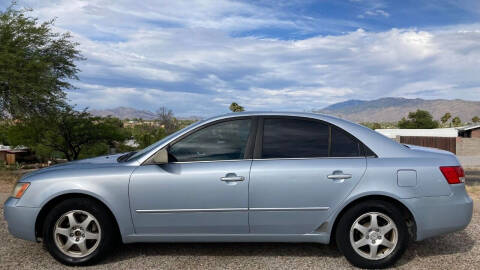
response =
{"points": [[444, 143]]}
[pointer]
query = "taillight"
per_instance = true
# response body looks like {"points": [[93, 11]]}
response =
{"points": [[453, 174]]}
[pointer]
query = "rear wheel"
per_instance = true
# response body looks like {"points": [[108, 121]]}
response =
{"points": [[372, 234], [78, 231]]}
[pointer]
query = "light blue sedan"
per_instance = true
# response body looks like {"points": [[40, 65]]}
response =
{"points": [[248, 177]]}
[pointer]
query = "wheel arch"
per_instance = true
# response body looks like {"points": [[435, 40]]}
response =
{"points": [[45, 209], [406, 212]]}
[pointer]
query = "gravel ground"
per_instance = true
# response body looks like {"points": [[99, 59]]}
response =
{"points": [[460, 250]]}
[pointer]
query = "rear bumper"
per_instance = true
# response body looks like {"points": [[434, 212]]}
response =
{"points": [[443, 214], [20, 220]]}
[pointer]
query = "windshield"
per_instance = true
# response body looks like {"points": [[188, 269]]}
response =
{"points": [[149, 148]]}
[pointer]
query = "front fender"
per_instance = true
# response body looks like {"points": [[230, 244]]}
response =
{"points": [[108, 185]]}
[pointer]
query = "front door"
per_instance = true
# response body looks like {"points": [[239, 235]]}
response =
{"points": [[204, 187], [304, 169]]}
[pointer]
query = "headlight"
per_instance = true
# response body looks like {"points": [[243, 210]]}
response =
{"points": [[19, 189]]}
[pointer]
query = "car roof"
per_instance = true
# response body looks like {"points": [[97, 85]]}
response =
{"points": [[274, 113]]}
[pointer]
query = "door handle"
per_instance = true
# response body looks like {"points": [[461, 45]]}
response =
{"points": [[339, 175], [231, 177]]}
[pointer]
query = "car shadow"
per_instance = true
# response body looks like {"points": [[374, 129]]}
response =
{"points": [[453, 243], [128, 251]]}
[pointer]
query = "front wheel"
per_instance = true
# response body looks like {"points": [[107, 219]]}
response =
{"points": [[372, 234], [78, 232]]}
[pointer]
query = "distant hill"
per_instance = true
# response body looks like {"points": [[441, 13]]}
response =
{"points": [[393, 109], [379, 110], [131, 113], [124, 113]]}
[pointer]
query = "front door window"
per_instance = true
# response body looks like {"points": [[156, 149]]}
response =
{"points": [[222, 141]]}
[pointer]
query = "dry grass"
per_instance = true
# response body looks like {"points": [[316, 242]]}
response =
{"points": [[474, 192], [8, 179]]}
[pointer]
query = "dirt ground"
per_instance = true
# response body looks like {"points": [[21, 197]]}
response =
{"points": [[474, 192], [8, 179]]}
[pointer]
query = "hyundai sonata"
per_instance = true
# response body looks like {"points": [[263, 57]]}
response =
{"points": [[248, 177]]}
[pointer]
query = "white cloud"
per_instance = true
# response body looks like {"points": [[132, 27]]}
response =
{"points": [[287, 75], [374, 13], [183, 56], [116, 16]]}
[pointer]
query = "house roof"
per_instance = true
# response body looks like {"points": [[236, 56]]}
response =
{"points": [[6, 148], [14, 151], [469, 127], [435, 132]]}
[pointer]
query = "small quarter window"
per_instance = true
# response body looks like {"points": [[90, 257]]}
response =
{"points": [[343, 145]]}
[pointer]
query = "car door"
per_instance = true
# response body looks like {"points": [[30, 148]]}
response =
{"points": [[302, 169], [204, 186]]}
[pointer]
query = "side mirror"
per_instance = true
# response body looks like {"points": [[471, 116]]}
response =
{"points": [[161, 157]]}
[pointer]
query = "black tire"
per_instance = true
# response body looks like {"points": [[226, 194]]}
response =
{"points": [[346, 222], [98, 211]]}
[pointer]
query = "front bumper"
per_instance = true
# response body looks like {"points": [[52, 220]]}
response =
{"points": [[21, 220], [443, 214]]}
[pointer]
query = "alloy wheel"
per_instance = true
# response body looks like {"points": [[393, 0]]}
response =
{"points": [[374, 235], [77, 233]]}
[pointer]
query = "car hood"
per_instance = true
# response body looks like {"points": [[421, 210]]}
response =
{"points": [[89, 163]]}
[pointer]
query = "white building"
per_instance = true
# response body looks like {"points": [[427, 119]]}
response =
{"points": [[435, 132]]}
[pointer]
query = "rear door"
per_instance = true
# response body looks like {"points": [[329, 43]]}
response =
{"points": [[302, 169]]}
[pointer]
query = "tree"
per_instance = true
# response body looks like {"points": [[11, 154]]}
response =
{"points": [[146, 135], [36, 64], [446, 117], [234, 107], [4, 133], [167, 120], [475, 119], [372, 125], [418, 119], [68, 132], [376, 126], [456, 121]]}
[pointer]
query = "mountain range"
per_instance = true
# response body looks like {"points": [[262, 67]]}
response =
{"points": [[393, 109], [125, 113], [379, 110]]}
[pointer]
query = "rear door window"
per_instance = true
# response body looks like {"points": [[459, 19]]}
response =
{"points": [[294, 138], [304, 138]]}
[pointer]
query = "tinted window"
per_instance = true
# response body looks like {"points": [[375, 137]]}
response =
{"points": [[343, 145], [294, 138], [222, 141]]}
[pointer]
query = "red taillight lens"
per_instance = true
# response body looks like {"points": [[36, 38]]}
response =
{"points": [[453, 174]]}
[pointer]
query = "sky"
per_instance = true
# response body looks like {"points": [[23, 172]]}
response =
{"points": [[196, 57]]}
